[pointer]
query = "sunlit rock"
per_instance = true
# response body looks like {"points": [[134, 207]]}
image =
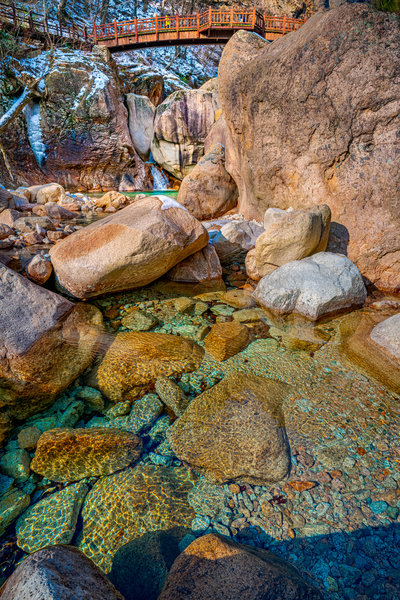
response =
{"points": [[227, 339]]}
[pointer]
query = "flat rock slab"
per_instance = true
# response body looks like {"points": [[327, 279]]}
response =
{"points": [[72, 454], [58, 573], [126, 505]]}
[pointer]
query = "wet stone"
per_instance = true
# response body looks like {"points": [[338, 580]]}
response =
{"points": [[226, 340], [124, 506], [52, 520], [72, 454], [28, 438], [207, 499], [91, 397], [12, 504], [16, 464], [139, 321], [172, 395]]}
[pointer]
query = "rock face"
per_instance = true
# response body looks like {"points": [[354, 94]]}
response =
{"points": [[332, 137], [125, 506], [78, 133], [313, 287], [45, 343], [209, 191], [181, 125], [72, 454], [200, 267], [235, 431], [135, 360], [226, 339], [141, 123], [57, 572], [291, 235], [127, 250], [215, 568]]}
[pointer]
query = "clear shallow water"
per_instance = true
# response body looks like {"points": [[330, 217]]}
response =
{"points": [[336, 518]]}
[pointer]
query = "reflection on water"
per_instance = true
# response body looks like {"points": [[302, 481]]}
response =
{"points": [[335, 517]]}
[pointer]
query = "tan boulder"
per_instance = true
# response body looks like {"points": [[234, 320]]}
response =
{"points": [[303, 147], [71, 454], [235, 431], [52, 192], [201, 266], [291, 235], [181, 125], [115, 199], [128, 249], [39, 269], [45, 343], [57, 212], [209, 191], [215, 568], [226, 339], [30, 224], [9, 216], [251, 266], [136, 360]]}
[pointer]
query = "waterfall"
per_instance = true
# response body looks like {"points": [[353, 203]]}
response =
{"points": [[160, 180], [32, 115]]}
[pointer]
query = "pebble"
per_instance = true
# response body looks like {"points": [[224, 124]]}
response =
{"points": [[378, 506]]}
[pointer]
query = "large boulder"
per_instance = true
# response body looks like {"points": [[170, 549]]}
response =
{"points": [[58, 572], [181, 125], [135, 360], [71, 454], [45, 343], [291, 235], [200, 267], [128, 249], [209, 191], [322, 284], [235, 237], [235, 431], [227, 339], [141, 123], [215, 568], [77, 134], [314, 118], [372, 342]]}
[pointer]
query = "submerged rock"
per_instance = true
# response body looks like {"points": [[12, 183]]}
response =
{"points": [[125, 506], [214, 568], [303, 147], [12, 504], [172, 395], [313, 287], [72, 454], [200, 267], [135, 360], [45, 343], [51, 520], [127, 250], [138, 320], [227, 339], [235, 431], [58, 572], [209, 191], [291, 235]]}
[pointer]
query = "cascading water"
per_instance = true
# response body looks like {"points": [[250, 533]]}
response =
{"points": [[160, 180]]}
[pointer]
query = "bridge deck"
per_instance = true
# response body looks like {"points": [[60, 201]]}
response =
{"points": [[210, 27]]}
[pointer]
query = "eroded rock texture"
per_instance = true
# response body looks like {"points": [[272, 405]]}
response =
{"points": [[314, 118]]}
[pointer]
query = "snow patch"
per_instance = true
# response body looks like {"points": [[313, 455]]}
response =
{"points": [[32, 115]]}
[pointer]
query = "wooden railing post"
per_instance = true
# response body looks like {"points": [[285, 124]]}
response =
{"points": [[231, 18], [198, 24], [209, 17], [95, 33], [30, 21], [177, 27], [85, 34], [136, 30], [254, 18], [284, 25], [156, 25], [14, 15], [115, 32]]}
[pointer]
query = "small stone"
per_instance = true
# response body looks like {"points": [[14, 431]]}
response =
{"points": [[11, 506], [238, 298], [222, 310], [200, 308], [119, 410], [226, 340], [378, 506], [234, 488], [16, 464], [201, 332], [139, 321], [184, 305], [249, 315], [91, 397], [39, 269], [28, 438], [172, 395], [301, 486]]}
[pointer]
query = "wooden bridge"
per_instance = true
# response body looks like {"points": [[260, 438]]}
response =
{"points": [[210, 27]]}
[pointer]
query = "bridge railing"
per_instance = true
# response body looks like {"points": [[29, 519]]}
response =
{"points": [[32, 21]]}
